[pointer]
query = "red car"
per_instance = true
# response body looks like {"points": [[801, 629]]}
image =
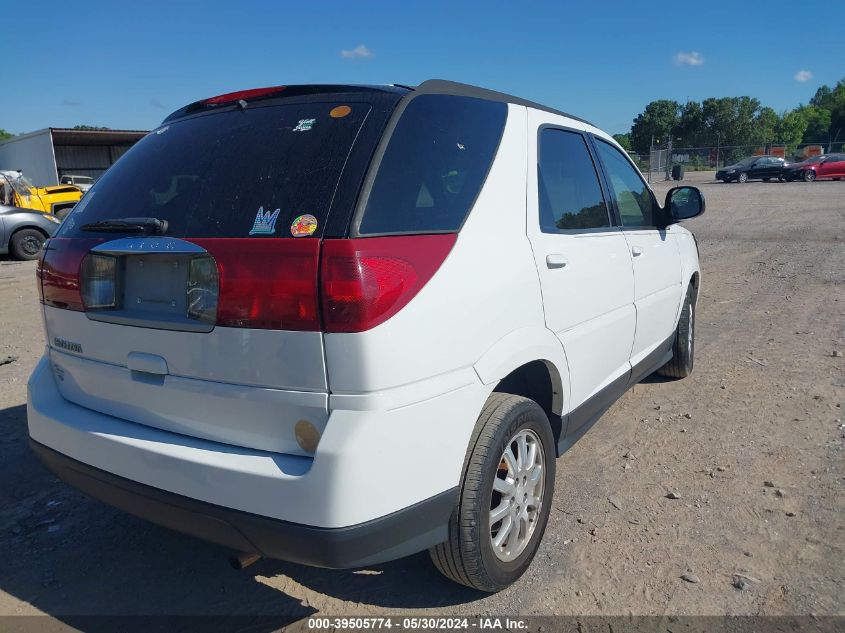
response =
{"points": [[827, 166]]}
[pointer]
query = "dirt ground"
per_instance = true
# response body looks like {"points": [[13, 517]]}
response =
{"points": [[752, 443]]}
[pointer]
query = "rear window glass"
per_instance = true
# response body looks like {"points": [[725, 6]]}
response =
{"points": [[267, 171], [434, 166]]}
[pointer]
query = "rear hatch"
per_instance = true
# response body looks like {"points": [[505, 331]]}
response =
{"points": [[181, 292]]}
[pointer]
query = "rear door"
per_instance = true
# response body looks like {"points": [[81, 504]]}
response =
{"points": [[654, 252], [211, 329], [582, 259]]}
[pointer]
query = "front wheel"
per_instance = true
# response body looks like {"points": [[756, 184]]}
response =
{"points": [[743, 177], [506, 495], [809, 175], [683, 347]]}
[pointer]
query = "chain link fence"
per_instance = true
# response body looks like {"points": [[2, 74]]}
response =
{"points": [[658, 163]]}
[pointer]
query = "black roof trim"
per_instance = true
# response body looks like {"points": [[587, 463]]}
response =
{"points": [[443, 86]]}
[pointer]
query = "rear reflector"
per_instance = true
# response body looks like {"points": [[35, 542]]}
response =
{"points": [[231, 97], [266, 283], [366, 281]]}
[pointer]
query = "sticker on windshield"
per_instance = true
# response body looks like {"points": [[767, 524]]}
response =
{"points": [[265, 222], [304, 125], [303, 225]]}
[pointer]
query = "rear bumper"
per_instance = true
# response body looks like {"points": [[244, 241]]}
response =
{"points": [[394, 536], [371, 492]]}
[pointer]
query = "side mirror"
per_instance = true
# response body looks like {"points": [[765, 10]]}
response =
{"points": [[684, 203]]}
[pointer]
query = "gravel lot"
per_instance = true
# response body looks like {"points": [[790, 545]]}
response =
{"points": [[763, 405]]}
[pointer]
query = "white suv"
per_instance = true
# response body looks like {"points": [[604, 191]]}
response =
{"points": [[338, 325]]}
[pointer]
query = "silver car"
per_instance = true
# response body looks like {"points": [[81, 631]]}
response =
{"points": [[24, 231]]}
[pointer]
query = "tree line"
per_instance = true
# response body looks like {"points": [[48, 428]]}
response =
{"points": [[739, 121]]}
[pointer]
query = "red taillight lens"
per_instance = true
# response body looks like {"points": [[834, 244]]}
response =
{"points": [[266, 283], [58, 272], [366, 281]]}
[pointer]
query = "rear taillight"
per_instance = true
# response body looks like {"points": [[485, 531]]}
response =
{"points": [[58, 271], [266, 283], [366, 281], [99, 281]]}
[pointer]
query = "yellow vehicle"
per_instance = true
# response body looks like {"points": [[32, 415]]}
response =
{"points": [[17, 191]]}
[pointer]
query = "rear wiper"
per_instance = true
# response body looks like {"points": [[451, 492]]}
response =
{"points": [[150, 226]]}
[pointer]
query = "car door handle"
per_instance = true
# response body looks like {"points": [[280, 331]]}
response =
{"points": [[556, 261], [636, 251]]}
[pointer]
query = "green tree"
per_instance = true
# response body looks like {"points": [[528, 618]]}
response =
{"points": [[657, 121], [818, 124], [733, 119], [790, 129], [89, 127], [691, 126], [833, 101], [624, 140], [766, 123], [4, 134]]}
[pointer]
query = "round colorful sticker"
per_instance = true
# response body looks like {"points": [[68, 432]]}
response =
{"points": [[340, 111], [303, 225]]}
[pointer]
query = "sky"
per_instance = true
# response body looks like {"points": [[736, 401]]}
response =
{"points": [[127, 65]]}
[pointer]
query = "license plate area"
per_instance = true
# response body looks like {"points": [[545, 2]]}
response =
{"points": [[153, 294]]}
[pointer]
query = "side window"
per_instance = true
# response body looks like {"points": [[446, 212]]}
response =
{"points": [[569, 195], [434, 165], [632, 195]]}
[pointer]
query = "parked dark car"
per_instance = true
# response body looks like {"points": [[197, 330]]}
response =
{"points": [[24, 231], [816, 167], [753, 168]]}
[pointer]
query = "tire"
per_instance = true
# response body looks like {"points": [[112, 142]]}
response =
{"points": [[470, 556], [809, 175], [743, 177], [26, 244], [683, 348], [63, 212]]}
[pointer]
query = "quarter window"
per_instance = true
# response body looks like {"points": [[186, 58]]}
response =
{"points": [[569, 194], [633, 197], [434, 165]]}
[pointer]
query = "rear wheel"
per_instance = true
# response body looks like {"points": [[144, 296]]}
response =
{"points": [[743, 177], [26, 244], [683, 348], [809, 175], [506, 495]]}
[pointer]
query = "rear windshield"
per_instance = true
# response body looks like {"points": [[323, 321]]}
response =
{"points": [[434, 165], [264, 171]]}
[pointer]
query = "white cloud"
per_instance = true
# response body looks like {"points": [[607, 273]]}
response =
{"points": [[359, 52], [692, 58], [803, 75]]}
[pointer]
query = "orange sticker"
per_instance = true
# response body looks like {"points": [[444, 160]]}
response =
{"points": [[340, 111]]}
